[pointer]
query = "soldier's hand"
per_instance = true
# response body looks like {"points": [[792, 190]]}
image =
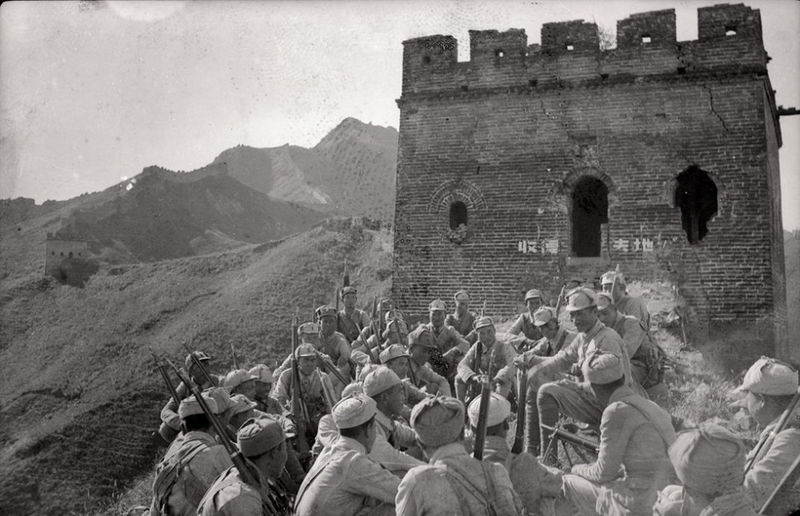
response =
{"points": [[480, 378]]}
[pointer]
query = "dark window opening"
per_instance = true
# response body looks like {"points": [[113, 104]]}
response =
{"points": [[458, 214], [62, 253], [589, 212], [426, 59], [696, 196], [70, 254]]}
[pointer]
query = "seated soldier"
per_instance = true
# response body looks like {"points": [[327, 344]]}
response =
{"points": [[531, 480], [395, 358], [327, 433], [240, 381], [263, 384], [709, 462], [263, 444], [462, 320], [449, 345], [769, 386], [525, 322], [452, 482], [628, 305], [393, 435], [635, 434], [191, 465], [170, 421], [344, 481], [478, 361], [336, 354], [420, 372], [396, 332]]}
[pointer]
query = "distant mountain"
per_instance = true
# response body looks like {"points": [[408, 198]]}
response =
{"points": [[351, 171]]}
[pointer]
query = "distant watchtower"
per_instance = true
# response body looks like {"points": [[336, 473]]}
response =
{"points": [[530, 163], [68, 260]]}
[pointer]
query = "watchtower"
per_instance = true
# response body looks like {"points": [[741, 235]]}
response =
{"points": [[531, 163]]}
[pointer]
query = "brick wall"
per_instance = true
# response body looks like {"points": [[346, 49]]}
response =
{"points": [[512, 131]]}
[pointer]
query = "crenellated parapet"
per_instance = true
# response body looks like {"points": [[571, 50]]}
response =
{"points": [[729, 41]]}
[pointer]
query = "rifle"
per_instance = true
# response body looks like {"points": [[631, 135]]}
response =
{"points": [[557, 432], [372, 356], [483, 308], [560, 298], [614, 283], [776, 501], [522, 395], [165, 376], [345, 275], [331, 369], [299, 408], [199, 365], [233, 355], [327, 396], [778, 428], [237, 458], [483, 412]]}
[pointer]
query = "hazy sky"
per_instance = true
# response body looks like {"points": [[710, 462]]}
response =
{"points": [[93, 92]]}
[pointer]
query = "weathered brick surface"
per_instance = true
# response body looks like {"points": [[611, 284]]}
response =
{"points": [[510, 132]]}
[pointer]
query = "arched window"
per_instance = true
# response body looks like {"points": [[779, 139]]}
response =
{"points": [[696, 196], [589, 211], [458, 214]]}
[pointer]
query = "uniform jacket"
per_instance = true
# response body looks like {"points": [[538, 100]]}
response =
{"points": [[773, 461], [169, 414], [231, 496], [635, 306], [347, 323], [455, 483], [524, 324], [311, 387], [673, 500], [504, 355], [423, 376], [463, 325], [390, 437], [344, 481]]}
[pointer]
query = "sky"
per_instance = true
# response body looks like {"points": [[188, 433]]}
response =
{"points": [[93, 92]]}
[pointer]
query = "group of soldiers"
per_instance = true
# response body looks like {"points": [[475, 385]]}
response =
{"points": [[361, 419]]}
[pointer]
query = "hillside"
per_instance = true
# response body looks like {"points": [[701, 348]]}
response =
{"points": [[79, 393]]}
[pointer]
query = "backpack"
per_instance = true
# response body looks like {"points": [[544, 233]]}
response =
{"points": [[167, 473]]}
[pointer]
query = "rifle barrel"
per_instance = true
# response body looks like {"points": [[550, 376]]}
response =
{"points": [[572, 438], [483, 412]]}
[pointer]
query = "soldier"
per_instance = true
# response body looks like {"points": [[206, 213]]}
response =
{"points": [[476, 363], [525, 322], [709, 462], [647, 359], [263, 384], [531, 480], [240, 410], [191, 464], [396, 359], [344, 480], [421, 374], [769, 386], [462, 320], [312, 383], [452, 482], [263, 443], [570, 396], [635, 433], [170, 421], [240, 381], [350, 319], [333, 343], [386, 389], [396, 332], [449, 345], [628, 305]]}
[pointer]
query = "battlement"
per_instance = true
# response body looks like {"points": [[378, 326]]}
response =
{"points": [[729, 41]]}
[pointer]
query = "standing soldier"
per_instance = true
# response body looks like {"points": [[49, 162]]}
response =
{"points": [[422, 375], [344, 481], [449, 345], [525, 322], [628, 305], [350, 319], [170, 421], [647, 359], [452, 482], [477, 362], [462, 320], [770, 386], [635, 434], [191, 465], [263, 444]]}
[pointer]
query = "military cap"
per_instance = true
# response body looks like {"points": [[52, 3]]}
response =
{"points": [[770, 377], [305, 350], [353, 410], [326, 311], [349, 290], [533, 294], [438, 420], [239, 404], [392, 352], [259, 435], [380, 380], [237, 377], [199, 355], [483, 322], [542, 315], [604, 300], [602, 368], [190, 406], [708, 459], [437, 305], [308, 328], [581, 298], [220, 396], [365, 370], [262, 373], [461, 295], [352, 388], [499, 410], [609, 276], [414, 338]]}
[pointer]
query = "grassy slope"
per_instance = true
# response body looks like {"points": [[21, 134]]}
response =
{"points": [[80, 396]]}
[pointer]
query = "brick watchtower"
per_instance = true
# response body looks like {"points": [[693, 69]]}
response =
{"points": [[530, 163]]}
